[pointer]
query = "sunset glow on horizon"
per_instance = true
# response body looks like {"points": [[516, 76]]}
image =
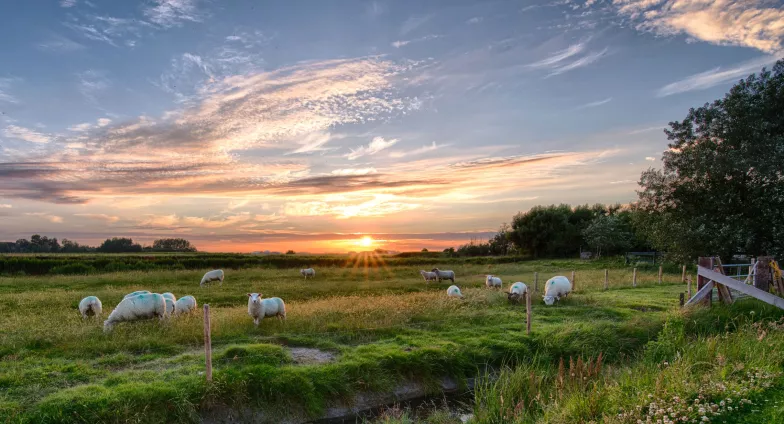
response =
{"points": [[344, 126]]}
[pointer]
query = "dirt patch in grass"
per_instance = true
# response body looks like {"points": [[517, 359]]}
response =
{"points": [[309, 356]]}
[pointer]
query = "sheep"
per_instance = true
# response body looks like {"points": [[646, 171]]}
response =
{"points": [[213, 275], [454, 291], [170, 296], [308, 272], [259, 308], [185, 304], [517, 292], [444, 275], [136, 293], [169, 306], [145, 305], [90, 306], [555, 288], [428, 276], [492, 281]]}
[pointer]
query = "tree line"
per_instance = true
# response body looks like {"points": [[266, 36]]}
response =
{"points": [[44, 244], [720, 190]]}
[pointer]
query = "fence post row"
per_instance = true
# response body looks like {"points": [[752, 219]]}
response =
{"points": [[683, 275], [660, 274], [207, 343], [634, 278], [606, 279]]}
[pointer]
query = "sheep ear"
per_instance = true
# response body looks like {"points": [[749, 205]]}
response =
{"points": [[249, 295]]}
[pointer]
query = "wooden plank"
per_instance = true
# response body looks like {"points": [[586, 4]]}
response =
{"points": [[701, 294], [752, 291], [707, 262], [724, 293]]}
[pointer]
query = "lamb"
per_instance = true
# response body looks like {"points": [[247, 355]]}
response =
{"points": [[90, 306], [444, 275], [136, 293], [517, 292], [185, 304], [555, 288], [142, 306], [454, 291], [259, 308], [428, 276], [492, 281], [214, 275], [308, 272]]}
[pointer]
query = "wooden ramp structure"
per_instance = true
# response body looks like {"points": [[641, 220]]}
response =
{"points": [[715, 278]]}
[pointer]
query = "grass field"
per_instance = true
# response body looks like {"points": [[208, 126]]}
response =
{"points": [[383, 326]]}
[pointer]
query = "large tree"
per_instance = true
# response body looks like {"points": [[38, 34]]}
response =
{"points": [[173, 245], [721, 189]]}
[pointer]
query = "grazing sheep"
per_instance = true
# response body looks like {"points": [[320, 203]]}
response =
{"points": [[444, 275], [493, 282], [136, 293], [259, 308], [214, 275], [185, 304], [454, 291], [555, 288], [169, 296], [143, 306], [308, 272], [428, 276], [90, 306], [517, 292], [169, 306]]}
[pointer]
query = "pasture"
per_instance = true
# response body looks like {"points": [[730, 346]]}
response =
{"points": [[366, 330]]}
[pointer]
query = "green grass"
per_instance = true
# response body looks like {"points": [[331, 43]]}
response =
{"points": [[383, 324]]}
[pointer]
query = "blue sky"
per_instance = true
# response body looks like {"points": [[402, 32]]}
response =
{"points": [[247, 125]]}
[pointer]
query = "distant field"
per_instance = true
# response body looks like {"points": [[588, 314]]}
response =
{"points": [[383, 325]]}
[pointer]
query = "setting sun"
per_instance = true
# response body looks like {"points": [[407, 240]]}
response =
{"points": [[366, 241]]}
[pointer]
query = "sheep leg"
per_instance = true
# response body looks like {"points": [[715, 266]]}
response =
{"points": [[256, 321]]}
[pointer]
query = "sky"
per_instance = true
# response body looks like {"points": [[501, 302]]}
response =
{"points": [[305, 125]]}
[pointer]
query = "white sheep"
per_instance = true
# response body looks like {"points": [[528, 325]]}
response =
{"points": [[308, 272], [259, 308], [555, 288], [428, 276], [169, 306], [214, 275], [185, 304], [169, 296], [136, 293], [444, 275], [142, 306], [90, 306], [454, 291], [492, 281], [517, 292]]}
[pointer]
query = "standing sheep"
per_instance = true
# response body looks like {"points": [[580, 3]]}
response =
{"points": [[259, 308], [185, 304], [517, 292], [136, 293], [143, 306], [454, 291], [555, 288], [493, 282], [90, 306], [308, 272], [214, 275], [428, 276], [444, 275]]}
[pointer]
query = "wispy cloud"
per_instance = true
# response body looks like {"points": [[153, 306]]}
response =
{"points": [[91, 83], [715, 76], [313, 142], [595, 104], [757, 24], [559, 56], [647, 129], [169, 13], [60, 44], [26, 134], [400, 43], [579, 63], [67, 3], [99, 217], [5, 85], [375, 9], [475, 20], [650, 158], [47, 216], [5, 206], [562, 61], [419, 151], [413, 23], [376, 145], [354, 171]]}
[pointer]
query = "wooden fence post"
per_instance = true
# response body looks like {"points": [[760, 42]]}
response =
{"points": [[527, 313], [681, 299], [207, 343], [762, 274], [573, 286], [634, 278], [688, 285], [660, 274], [606, 279], [683, 275], [536, 282]]}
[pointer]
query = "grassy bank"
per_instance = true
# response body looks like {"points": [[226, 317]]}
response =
{"points": [[382, 324]]}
